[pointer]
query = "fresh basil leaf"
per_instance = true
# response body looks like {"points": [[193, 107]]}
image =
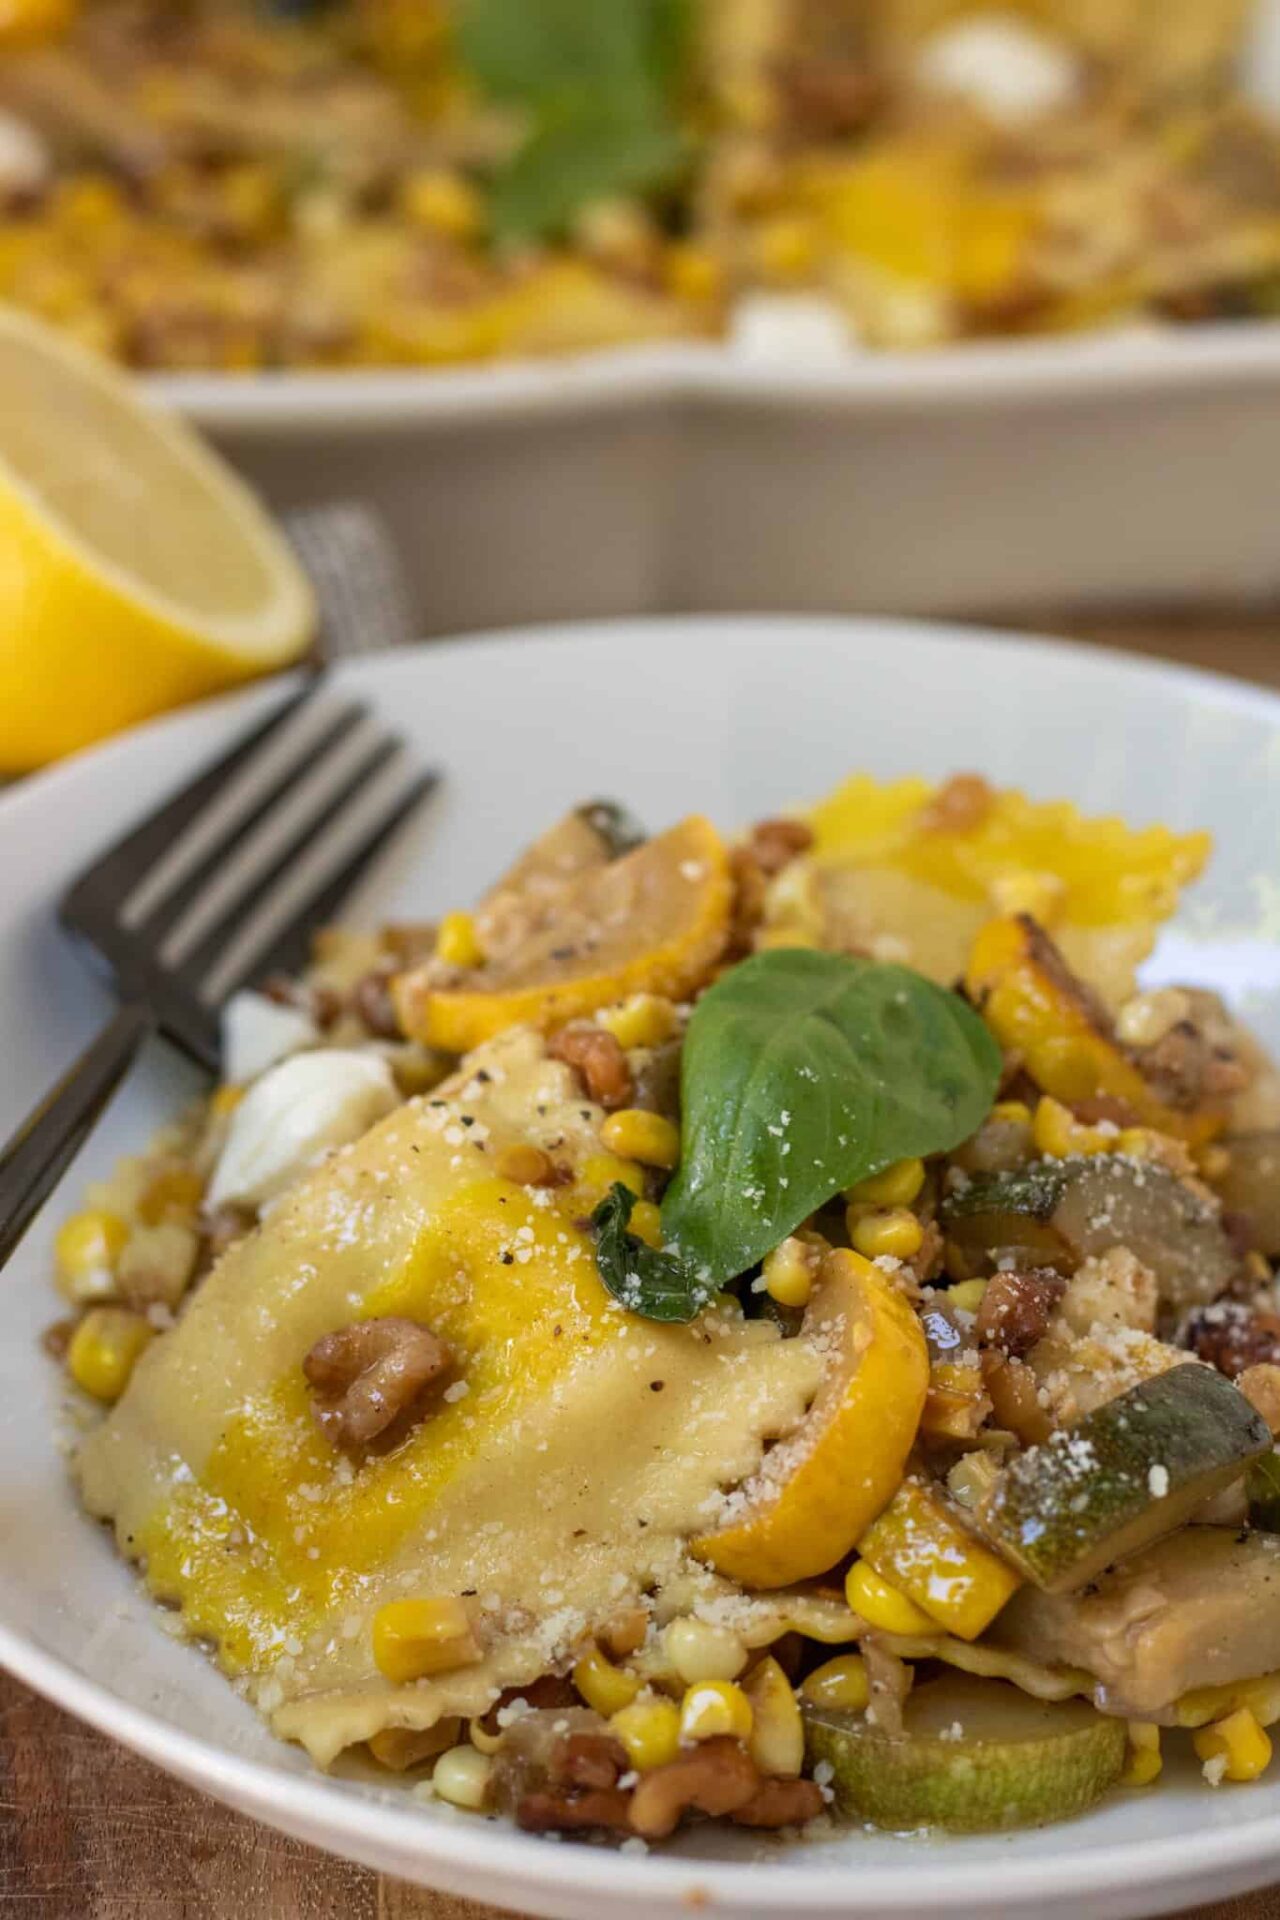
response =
{"points": [[660, 1286], [531, 52], [802, 1073], [592, 153], [596, 81]]}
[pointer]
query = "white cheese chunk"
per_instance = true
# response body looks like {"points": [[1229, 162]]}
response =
{"points": [[1011, 71], [295, 1112], [257, 1032], [24, 158]]}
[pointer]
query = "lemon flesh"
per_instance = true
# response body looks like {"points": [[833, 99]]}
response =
{"points": [[136, 571]]}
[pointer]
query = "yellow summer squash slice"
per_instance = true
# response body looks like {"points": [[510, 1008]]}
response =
{"points": [[820, 1489], [911, 871], [654, 921], [920, 1547], [1036, 1008]]}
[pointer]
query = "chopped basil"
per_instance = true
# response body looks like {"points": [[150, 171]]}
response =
{"points": [[594, 82], [802, 1073], [657, 1285]]}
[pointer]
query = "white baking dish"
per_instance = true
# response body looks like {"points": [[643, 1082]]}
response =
{"points": [[787, 470]]}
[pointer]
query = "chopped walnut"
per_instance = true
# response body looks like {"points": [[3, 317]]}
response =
{"points": [[1260, 1386], [374, 1007], [960, 804], [1186, 1067], [780, 1803], [716, 1777], [1231, 1336], [597, 1056], [1015, 1397], [546, 1810], [571, 1781], [1016, 1309], [749, 889], [366, 1375], [776, 843]]}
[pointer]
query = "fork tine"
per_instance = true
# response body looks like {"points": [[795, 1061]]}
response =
{"points": [[232, 878], [234, 813], [100, 888], [277, 934]]}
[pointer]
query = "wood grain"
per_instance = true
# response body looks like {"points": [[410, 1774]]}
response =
{"points": [[89, 1832]]}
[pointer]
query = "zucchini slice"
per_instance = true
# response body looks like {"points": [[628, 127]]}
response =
{"points": [[1132, 1470], [974, 1756], [1057, 1212]]}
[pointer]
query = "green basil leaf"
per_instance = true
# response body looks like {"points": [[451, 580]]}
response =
{"points": [[658, 1285], [531, 52], [802, 1073], [589, 151]]}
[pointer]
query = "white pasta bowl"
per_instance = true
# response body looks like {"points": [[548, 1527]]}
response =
{"points": [[735, 718]]}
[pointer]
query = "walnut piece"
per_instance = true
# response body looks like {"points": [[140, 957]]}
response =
{"points": [[596, 1055], [776, 843], [365, 1376], [716, 1777], [1017, 1307], [1231, 1336], [780, 1803]]}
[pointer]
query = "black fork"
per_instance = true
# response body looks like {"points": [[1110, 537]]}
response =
{"points": [[221, 886]]}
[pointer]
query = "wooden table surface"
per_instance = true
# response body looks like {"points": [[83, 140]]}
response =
{"points": [[88, 1832]]}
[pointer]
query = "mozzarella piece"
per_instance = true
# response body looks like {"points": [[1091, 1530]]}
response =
{"points": [[257, 1032], [1009, 70], [24, 158], [298, 1110]]}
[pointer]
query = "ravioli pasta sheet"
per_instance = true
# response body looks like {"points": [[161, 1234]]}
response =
{"points": [[556, 1481]]}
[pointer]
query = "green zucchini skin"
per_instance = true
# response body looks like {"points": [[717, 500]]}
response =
{"points": [[1264, 1493], [1131, 1471], [1057, 1212], [1053, 1760]]}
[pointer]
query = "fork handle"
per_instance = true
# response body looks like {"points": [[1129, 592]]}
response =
{"points": [[38, 1154]]}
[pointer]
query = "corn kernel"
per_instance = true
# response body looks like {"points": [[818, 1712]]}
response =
{"points": [[788, 1273], [649, 1729], [841, 1683], [881, 1605], [777, 1730], [456, 943], [173, 1195], [412, 1638], [693, 272], [1240, 1741], [785, 250], [26, 23], [636, 1134], [1212, 1160], [1145, 1018], [770, 938], [1015, 1110], [712, 1709], [896, 1233], [646, 1223], [105, 1348], [645, 1020], [602, 1685], [443, 203], [600, 1171], [87, 1248], [525, 1164], [967, 1295], [462, 1776], [1059, 1135], [1145, 1762], [894, 1186], [225, 1100], [699, 1651]]}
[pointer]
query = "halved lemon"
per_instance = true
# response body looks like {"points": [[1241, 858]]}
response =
{"points": [[819, 1490], [136, 571], [654, 921]]}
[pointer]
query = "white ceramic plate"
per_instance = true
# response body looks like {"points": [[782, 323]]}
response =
{"points": [[736, 718]]}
